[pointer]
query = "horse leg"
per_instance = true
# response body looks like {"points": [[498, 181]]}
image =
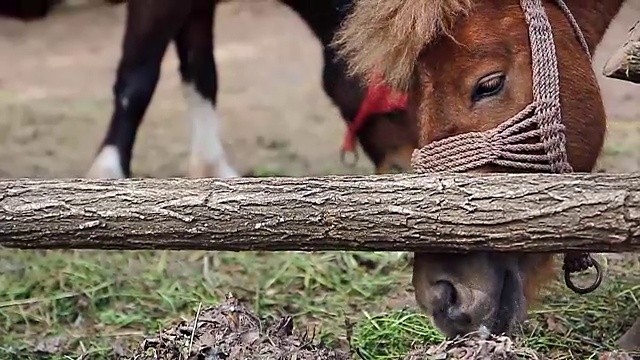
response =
{"points": [[148, 31], [194, 44], [323, 18]]}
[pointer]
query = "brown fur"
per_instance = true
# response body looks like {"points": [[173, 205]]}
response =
{"points": [[543, 271], [449, 69], [442, 49], [386, 36], [390, 139]]}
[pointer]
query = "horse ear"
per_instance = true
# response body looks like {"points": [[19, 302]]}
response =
{"points": [[386, 37]]}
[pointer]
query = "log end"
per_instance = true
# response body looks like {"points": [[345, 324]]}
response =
{"points": [[624, 64]]}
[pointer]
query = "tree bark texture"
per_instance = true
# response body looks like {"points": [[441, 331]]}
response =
{"points": [[624, 64], [404, 212]]}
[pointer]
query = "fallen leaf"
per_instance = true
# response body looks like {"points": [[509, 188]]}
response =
{"points": [[52, 345], [553, 324]]}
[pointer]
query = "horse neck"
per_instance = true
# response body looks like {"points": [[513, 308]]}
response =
{"points": [[594, 17], [322, 17]]}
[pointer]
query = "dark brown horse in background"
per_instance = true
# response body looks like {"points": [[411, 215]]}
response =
{"points": [[27, 9], [385, 133], [468, 68], [33, 9]]}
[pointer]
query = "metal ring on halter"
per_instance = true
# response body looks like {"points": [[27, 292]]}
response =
{"points": [[594, 285], [343, 158]]}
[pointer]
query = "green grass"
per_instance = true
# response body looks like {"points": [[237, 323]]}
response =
{"points": [[91, 297], [95, 300], [389, 335], [567, 326]]}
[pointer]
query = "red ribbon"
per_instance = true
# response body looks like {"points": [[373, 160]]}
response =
{"points": [[379, 99]]}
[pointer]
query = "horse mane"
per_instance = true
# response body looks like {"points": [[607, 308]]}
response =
{"points": [[384, 37]]}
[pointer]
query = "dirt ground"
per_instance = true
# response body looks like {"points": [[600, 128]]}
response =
{"points": [[55, 95]]}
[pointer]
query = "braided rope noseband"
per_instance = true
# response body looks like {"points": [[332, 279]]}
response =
{"points": [[533, 139]]}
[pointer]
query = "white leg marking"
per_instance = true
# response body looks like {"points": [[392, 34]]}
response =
{"points": [[107, 164], [208, 158]]}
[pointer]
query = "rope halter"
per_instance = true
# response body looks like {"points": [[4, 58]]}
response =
{"points": [[533, 139]]}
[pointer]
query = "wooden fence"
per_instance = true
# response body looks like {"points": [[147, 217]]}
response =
{"points": [[408, 212], [624, 63]]}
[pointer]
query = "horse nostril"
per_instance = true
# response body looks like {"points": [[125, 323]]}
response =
{"points": [[459, 317], [449, 303], [447, 295]]}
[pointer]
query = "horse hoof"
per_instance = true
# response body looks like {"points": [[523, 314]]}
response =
{"points": [[198, 169]]}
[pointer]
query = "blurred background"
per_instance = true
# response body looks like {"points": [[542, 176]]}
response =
{"points": [[56, 76]]}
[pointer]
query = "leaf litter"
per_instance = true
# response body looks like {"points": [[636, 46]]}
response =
{"points": [[475, 346], [484, 346], [230, 331]]}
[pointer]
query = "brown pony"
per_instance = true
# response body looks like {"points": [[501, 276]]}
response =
{"points": [[467, 66]]}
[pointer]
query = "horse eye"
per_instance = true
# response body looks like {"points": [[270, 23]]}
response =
{"points": [[489, 85]]}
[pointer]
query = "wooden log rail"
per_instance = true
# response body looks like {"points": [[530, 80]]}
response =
{"points": [[624, 63], [406, 212]]}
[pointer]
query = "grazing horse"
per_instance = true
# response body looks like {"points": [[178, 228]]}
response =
{"points": [[374, 114], [495, 86]]}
